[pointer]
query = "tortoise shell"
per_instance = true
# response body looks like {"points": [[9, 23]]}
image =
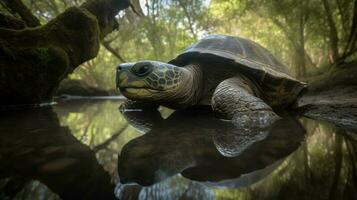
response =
{"points": [[273, 78]]}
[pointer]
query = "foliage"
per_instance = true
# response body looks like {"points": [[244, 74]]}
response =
{"points": [[309, 36], [304, 34]]}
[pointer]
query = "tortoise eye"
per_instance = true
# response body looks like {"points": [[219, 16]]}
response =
{"points": [[142, 70]]}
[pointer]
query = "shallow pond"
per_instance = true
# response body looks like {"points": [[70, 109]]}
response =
{"points": [[71, 151]]}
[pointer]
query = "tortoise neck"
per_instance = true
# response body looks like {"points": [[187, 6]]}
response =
{"points": [[190, 90]]}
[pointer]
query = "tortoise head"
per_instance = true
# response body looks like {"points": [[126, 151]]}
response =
{"points": [[149, 80]]}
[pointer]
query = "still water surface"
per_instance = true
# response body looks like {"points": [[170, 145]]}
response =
{"points": [[75, 149]]}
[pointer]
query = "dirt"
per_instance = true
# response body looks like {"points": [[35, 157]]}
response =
{"points": [[332, 97]]}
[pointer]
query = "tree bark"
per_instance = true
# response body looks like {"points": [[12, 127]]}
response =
{"points": [[189, 20], [352, 39], [16, 6], [34, 61], [333, 31], [7, 21], [297, 43], [115, 52], [105, 11]]}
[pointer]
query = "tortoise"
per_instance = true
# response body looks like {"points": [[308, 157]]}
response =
{"points": [[240, 79]]}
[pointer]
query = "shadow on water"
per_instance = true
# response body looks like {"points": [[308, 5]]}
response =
{"points": [[71, 151], [33, 145]]}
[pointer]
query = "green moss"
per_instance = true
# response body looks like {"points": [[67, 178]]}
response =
{"points": [[33, 61], [44, 56]]}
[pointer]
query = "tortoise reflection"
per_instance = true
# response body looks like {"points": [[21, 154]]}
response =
{"points": [[200, 147]]}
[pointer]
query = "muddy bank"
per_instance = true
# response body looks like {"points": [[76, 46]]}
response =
{"points": [[332, 96]]}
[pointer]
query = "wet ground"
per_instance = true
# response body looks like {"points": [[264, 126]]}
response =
{"points": [[83, 149]]}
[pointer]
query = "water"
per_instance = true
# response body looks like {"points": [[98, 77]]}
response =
{"points": [[71, 149]]}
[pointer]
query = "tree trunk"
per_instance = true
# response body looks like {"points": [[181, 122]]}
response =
{"points": [[17, 7], [34, 61], [333, 32]]}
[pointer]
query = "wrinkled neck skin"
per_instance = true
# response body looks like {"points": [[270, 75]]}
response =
{"points": [[189, 91]]}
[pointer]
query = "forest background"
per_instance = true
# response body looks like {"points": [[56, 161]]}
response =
{"points": [[309, 36]]}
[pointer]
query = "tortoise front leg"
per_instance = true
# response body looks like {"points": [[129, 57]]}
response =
{"points": [[234, 99]]}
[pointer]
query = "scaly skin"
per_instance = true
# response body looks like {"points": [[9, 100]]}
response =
{"points": [[231, 95], [234, 99]]}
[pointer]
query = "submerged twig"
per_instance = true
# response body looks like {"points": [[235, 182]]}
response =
{"points": [[109, 140]]}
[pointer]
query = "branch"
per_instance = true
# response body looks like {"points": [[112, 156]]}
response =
{"points": [[109, 140], [105, 11], [188, 19], [344, 18], [311, 63], [16, 6], [352, 39], [286, 31], [112, 50], [133, 7], [7, 21], [333, 30]]}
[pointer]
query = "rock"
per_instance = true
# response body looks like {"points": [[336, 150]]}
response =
{"points": [[332, 97]]}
